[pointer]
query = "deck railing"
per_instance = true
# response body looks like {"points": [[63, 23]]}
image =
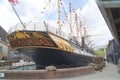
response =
{"points": [[38, 27]]}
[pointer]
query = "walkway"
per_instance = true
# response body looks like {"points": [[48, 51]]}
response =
{"points": [[108, 73]]}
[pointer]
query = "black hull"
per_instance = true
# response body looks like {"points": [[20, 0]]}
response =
{"points": [[48, 49], [44, 57]]}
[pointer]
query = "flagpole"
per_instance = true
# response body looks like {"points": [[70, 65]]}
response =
{"points": [[70, 18], [59, 26], [18, 16], [76, 24]]}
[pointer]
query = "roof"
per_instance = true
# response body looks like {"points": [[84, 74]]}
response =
{"points": [[3, 34], [110, 10]]}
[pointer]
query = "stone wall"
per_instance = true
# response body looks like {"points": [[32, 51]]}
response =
{"points": [[6, 63], [44, 74]]}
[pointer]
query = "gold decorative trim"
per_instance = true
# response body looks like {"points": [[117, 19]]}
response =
{"points": [[34, 47]]}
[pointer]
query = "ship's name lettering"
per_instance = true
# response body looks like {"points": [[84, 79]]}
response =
{"points": [[32, 42]]}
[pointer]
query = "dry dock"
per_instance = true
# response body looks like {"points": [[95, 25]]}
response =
{"points": [[110, 72], [44, 74]]}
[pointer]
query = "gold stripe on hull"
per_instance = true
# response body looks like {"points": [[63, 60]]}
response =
{"points": [[62, 44]]}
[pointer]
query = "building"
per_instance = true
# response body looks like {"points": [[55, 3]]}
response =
{"points": [[110, 10], [112, 52], [6, 52], [3, 43], [3, 49], [3, 34]]}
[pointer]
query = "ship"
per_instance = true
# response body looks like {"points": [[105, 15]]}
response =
{"points": [[46, 48]]}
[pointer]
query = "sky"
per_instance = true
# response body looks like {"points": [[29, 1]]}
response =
{"points": [[39, 10]]}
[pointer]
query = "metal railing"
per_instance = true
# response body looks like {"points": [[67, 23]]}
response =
{"points": [[38, 27]]}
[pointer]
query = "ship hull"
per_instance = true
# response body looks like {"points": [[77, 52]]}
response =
{"points": [[47, 49], [44, 57]]}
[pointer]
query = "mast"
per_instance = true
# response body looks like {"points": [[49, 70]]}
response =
{"points": [[80, 25], [80, 28], [81, 34], [46, 26], [59, 17], [70, 17], [76, 24], [17, 16]]}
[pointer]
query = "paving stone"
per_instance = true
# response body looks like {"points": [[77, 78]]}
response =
{"points": [[110, 72]]}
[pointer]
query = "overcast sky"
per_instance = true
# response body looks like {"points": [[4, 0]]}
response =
{"points": [[47, 9]]}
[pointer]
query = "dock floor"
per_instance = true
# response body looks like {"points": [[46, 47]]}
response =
{"points": [[108, 73]]}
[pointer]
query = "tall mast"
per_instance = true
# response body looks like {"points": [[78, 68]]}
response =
{"points": [[59, 17], [70, 18], [76, 24], [80, 24], [82, 37], [80, 28]]}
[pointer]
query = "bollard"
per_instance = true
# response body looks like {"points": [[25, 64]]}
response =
{"points": [[51, 68]]}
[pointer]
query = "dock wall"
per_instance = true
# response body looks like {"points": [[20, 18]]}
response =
{"points": [[44, 74]]}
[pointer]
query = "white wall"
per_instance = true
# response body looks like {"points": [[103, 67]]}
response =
{"points": [[4, 48]]}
